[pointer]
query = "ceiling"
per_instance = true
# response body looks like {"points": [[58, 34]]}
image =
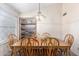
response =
{"points": [[28, 7]]}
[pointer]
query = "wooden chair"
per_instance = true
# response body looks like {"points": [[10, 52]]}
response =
{"points": [[49, 41], [12, 38], [46, 34], [69, 39], [44, 43], [52, 43], [35, 42], [27, 47], [44, 40]]}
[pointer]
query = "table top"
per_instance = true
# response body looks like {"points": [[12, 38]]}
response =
{"points": [[61, 43]]}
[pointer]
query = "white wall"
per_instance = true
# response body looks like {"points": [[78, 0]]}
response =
{"points": [[52, 22], [71, 23], [8, 22]]}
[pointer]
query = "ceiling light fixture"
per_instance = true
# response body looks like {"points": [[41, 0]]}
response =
{"points": [[39, 15]]}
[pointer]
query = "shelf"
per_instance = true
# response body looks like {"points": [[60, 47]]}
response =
{"points": [[29, 24], [28, 27]]}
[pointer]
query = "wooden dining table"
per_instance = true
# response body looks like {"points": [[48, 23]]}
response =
{"points": [[62, 45]]}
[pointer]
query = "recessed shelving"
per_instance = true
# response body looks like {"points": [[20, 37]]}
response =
{"points": [[27, 27]]}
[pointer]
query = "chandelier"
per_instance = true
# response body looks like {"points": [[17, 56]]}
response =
{"points": [[39, 13]]}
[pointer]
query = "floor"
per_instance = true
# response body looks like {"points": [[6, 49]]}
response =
{"points": [[4, 50]]}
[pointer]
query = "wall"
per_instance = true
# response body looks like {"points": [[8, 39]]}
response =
{"points": [[71, 24], [52, 22], [8, 22]]}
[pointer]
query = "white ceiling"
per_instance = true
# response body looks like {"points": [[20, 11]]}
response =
{"points": [[28, 7]]}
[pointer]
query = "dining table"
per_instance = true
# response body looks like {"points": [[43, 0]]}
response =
{"points": [[63, 47]]}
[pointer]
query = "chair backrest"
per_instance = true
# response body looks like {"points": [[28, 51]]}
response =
{"points": [[26, 48], [24, 41], [12, 38], [30, 41], [44, 42], [53, 41], [69, 39], [35, 41], [46, 34], [44, 39]]}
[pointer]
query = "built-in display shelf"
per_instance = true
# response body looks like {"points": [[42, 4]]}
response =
{"points": [[27, 26]]}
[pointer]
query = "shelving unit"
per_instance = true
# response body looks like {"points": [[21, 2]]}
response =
{"points": [[27, 26]]}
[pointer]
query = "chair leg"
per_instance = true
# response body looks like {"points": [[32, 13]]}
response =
{"points": [[11, 53], [69, 52]]}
